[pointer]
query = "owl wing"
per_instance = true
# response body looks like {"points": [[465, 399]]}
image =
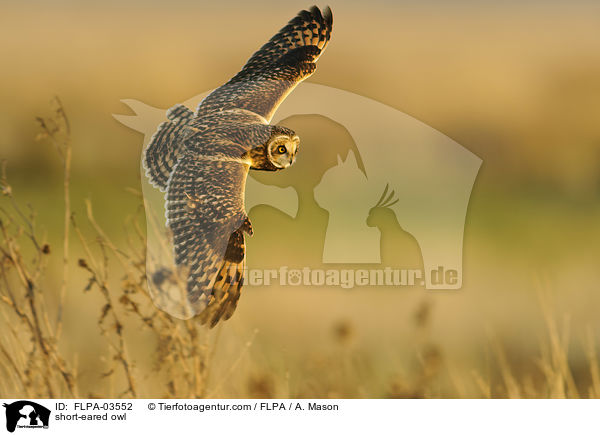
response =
{"points": [[274, 71], [165, 146], [205, 213], [222, 134]]}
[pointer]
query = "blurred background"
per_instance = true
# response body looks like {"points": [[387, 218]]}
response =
{"points": [[516, 83]]}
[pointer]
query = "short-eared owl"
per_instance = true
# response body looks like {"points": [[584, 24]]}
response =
{"points": [[201, 160]]}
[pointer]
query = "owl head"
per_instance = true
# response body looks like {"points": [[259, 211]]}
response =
{"points": [[282, 147]]}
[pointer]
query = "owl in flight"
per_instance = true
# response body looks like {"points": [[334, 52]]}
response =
{"points": [[201, 161]]}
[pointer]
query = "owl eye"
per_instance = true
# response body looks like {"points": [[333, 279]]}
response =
{"points": [[281, 149]]}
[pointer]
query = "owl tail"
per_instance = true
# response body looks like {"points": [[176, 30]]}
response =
{"points": [[164, 148], [225, 286], [226, 293]]}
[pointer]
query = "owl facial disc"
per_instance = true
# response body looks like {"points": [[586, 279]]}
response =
{"points": [[282, 150]]}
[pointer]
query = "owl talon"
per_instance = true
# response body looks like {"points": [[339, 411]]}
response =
{"points": [[247, 227]]}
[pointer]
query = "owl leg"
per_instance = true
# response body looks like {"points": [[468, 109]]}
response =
{"points": [[247, 226]]}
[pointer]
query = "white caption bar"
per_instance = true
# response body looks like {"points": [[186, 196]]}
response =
{"points": [[298, 416]]}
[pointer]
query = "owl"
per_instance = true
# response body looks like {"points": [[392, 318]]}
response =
{"points": [[201, 160]]}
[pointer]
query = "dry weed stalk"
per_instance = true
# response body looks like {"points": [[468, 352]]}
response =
{"points": [[57, 130], [179, 354], [429, 357], [34, 363]]}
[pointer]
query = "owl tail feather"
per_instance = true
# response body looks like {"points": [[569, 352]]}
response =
{"points": [[226, 293]]}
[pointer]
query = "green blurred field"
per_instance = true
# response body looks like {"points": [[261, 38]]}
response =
{"points": [[518, 85]]}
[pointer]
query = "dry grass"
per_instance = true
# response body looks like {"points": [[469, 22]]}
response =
{"points": [[34, 364]]}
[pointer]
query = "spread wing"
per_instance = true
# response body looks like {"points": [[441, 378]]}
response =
{"points": [[205, 213], [222, 134], [165, 146], [274, 71]]}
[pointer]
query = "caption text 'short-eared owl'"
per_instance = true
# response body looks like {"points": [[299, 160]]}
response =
{"points": [[202, 160]]}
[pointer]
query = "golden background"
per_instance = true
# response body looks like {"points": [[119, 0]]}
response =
{"points": [[516, 84]]}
